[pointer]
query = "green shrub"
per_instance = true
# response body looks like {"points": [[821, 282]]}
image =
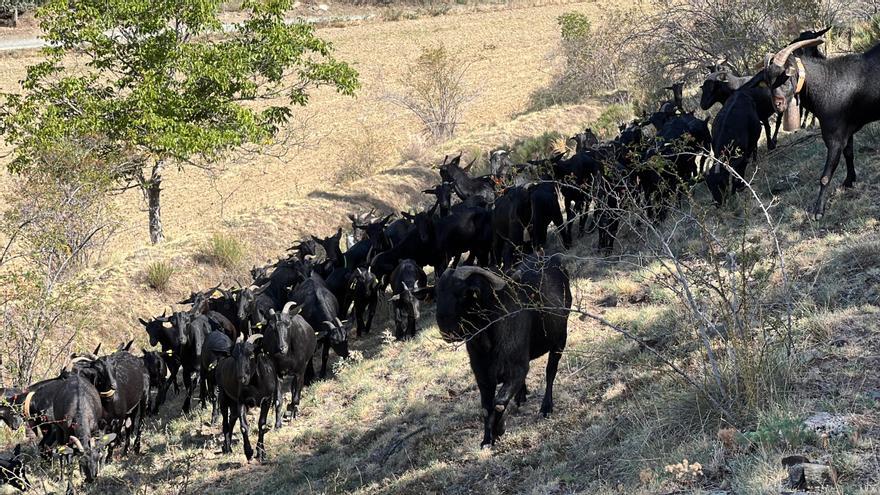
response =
{"points": [[225, 250], [534, 147], [575, 27], [606, 126], [159, 273], [781, 431]]}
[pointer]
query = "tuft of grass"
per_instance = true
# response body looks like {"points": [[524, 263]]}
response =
{"points": [[159, 273], [225, 250]]}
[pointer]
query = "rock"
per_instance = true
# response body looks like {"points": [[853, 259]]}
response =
{"points": [[609, 301], [323, 7], [832, 425], [639, 297], [808, 475]]}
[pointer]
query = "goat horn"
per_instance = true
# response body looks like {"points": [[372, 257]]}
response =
{"points": [[254, 338], [782, 55], [338, 322], [287, 307], [77, 443], [464, 272]]}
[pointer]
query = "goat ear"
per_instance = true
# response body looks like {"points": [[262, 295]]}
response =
{"points": [[128, 345], [143, 322]]}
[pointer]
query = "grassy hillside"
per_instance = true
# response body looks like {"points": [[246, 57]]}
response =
{"points": [[404, 417]]}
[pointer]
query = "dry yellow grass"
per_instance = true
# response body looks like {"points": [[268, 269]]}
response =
{"points": [[274, 198]]}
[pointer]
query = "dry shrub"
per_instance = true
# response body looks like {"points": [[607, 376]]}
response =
{"points": [[416, 150], [362, 154], [594, 57], [434, 91]]}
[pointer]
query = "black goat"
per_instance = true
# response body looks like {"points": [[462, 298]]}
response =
{"points": [[76, 413], [246, 379], [719, 86], [841, 92], [254, 305], [443, 193], [34, 405], [465, 186], [417, 245], [321, 310], [511, 225], [160, 329], [290, 341], [123, 384], [505, 324], [374, 232], [181, 336], [466, 230], [736, 130], [364, 288], [217, 346], [158, 373], [405, 279], [576, 176]]}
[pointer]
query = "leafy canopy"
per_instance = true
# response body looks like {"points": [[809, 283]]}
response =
{"points": [[165, 79]]}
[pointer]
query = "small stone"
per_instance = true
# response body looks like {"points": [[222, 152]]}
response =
{"points": [[828, 424], [324, 7], [609, 301]]}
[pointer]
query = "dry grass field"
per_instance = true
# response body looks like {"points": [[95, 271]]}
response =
{"points": [[272, 199], [403, 418]]}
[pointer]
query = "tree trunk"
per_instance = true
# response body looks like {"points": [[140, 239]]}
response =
{"points": [[153, 188]]}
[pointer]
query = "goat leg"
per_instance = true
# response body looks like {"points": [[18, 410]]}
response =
{"points": [[850, 163], [227, 426], [279, 414], [245, 429], [552, 366], [835, 148], [261, 428]]}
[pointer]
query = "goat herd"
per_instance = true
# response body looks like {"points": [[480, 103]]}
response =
{"points": [[507, 301]]}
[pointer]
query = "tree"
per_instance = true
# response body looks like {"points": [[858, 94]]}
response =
{"points": [[56, 220], [165, 84], [434, 90]]}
